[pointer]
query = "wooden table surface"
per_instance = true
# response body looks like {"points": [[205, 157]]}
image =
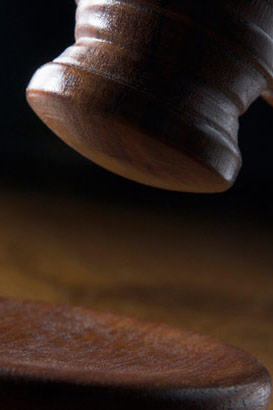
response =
{"points": [[210, 275]]}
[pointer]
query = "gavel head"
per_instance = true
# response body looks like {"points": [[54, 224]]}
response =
{"points": [[153, 89]]}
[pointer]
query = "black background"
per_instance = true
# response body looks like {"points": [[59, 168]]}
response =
{"points": [[33, 158]]}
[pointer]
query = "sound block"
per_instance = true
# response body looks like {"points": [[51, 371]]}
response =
{"points": [[61, 357]]}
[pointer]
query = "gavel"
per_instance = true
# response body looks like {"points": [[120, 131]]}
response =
{"points": [[153, 89]]}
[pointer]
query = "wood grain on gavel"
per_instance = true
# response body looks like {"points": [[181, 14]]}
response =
{"points": [[58, 357], [153, 90]]}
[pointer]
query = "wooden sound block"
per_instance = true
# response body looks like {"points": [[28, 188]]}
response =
{"points": [[60, 357]]}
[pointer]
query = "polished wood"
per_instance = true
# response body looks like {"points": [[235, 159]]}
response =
{"points": [[125, 363], [211, 274], [153, 90]]}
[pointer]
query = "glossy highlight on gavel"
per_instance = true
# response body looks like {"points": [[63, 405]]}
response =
{"points": [[153, 89]]}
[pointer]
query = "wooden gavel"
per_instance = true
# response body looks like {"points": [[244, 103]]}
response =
{"points": [[153, 89]]}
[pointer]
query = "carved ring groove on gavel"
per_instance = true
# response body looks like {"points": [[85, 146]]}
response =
{"points": [[153, 89]]}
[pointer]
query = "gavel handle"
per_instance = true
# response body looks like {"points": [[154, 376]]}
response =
{"points": [[268, 96]]}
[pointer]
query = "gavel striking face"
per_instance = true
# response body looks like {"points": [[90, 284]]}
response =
{"points": [[153, 89]]}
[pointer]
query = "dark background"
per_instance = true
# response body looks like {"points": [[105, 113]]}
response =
{"points": [[33, 159]]}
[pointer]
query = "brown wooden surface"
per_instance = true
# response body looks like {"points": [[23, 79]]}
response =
{"points": [[122, 362], [153, 91], [212, 276]]}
